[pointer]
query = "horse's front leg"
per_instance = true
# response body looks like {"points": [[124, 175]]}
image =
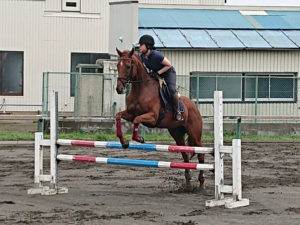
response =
{"points": [[125, 115], [148, 118], [135, 134]]}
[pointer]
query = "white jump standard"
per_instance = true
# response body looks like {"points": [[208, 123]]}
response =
{"points": [[235, 190]]}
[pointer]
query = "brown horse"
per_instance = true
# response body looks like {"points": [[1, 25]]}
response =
{"points": [[144, 106]]}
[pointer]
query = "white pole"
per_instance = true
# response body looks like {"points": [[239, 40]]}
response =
{"points": [[53, 138], [218, 142], [236, 170], [237, 200], [38, 159]]}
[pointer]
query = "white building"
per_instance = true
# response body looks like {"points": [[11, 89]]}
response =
{"points": [[55, 35]]}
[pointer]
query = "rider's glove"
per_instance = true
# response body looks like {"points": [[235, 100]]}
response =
{"points": [[154, 74]]}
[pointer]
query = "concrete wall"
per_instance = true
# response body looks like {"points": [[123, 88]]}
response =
{"points": [[123, 23], [90, 100], [112, 101]]}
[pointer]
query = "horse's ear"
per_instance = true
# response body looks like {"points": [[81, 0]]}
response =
{"points": [[119, 52], [131, 52]]}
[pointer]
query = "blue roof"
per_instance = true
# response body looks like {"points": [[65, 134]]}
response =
{"points": [[272, 22], [199, 38], [201, 28], [293, 35], [251, 39], [291, 17], [192, 18], [277, 39], [172, 38]]}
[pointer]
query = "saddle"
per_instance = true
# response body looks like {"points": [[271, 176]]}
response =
{"points": [[166, 100]]}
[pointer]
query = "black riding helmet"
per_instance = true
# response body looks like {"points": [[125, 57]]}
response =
{"points": [[147, 40]]}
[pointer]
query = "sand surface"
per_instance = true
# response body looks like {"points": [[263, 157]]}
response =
{"points": [[108, 194]]}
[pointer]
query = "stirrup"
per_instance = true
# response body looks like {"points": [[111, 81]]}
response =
{"points": [[178, 116]]}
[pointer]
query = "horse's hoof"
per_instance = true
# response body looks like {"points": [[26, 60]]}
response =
{"points": [[142, 140], [188, 188], [126, 144], [203, 191], [139, 139], [202, 187]]}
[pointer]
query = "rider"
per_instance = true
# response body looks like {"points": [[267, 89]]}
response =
{"points": [[158, 65]]}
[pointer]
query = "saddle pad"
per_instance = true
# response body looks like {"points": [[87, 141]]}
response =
{"points": [[164, 97]]}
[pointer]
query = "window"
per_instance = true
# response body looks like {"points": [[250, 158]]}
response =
{"points": [[73, 8], [244, 87], [270, 87], [11, 73], [230, 84], [71, 5], [84, 58]]}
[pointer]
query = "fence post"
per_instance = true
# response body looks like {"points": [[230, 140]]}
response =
{"points": [[256, 96], [45, 93], [53, 138], [238, 128], [237, 200], [76, 93], [38, 159], [197, 92], [236, 170], [218, 143]]}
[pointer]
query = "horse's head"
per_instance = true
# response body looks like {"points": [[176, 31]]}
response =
{"points": [[125, 70]]}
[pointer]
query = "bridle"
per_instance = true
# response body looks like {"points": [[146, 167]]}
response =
{"points": [[126, 81]]}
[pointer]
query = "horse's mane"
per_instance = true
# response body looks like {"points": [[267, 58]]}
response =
{"points": [[139, 59]]}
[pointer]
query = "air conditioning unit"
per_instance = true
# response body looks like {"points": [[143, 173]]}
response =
{"points": [[71, 5]]}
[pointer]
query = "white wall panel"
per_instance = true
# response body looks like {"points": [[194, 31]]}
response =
{"points": [[47, 40], [90, 6], [53, 5], [238, 61]]}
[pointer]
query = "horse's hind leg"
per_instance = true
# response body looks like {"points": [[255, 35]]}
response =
{"points": [[200, 157], [178, 135], [195, 139], [201, 174]]}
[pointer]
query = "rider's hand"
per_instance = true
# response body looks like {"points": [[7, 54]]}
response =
{"points": [[154, 74]]}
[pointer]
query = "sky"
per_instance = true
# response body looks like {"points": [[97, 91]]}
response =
{"points": [[265, 2]]}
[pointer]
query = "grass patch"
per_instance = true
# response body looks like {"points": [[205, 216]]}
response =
{"points": [[99, 136], [16, 136], [111, 136]]}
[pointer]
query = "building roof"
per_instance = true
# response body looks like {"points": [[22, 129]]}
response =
{"points": [[219, 29]]}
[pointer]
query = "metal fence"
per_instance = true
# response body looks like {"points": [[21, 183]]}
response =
{"points": [[247, 95]]}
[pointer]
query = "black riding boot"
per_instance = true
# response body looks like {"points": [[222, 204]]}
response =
{"points": [[178, 115]]}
